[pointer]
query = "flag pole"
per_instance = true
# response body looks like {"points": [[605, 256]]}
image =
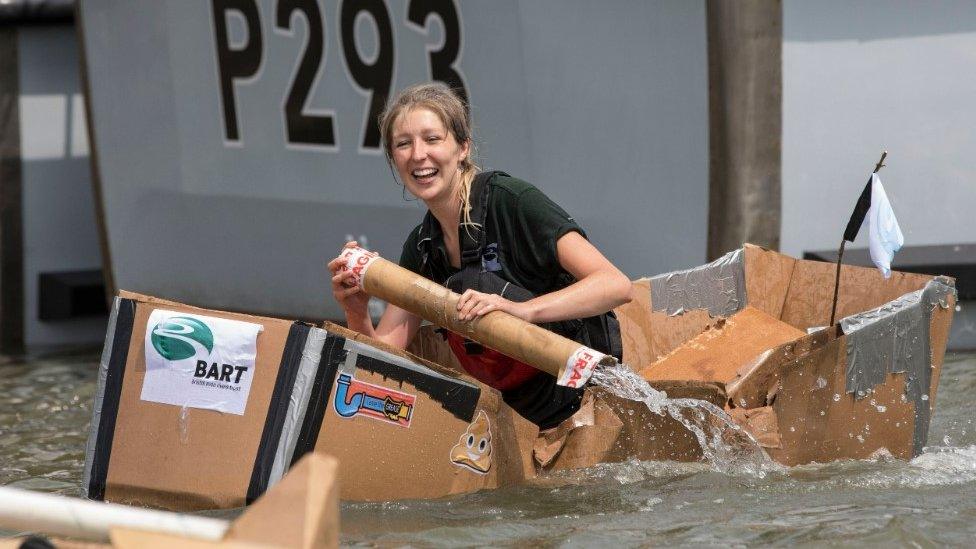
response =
{"points": [[840, 252]]}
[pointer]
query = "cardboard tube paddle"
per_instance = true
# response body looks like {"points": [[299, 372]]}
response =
{"points": [[571, 363]]}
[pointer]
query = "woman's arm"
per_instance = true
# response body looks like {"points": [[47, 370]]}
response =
{"points": [[396, 327], [599, 287]]}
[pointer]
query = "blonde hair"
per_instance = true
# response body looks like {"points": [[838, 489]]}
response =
{"points": [[453, 113]]}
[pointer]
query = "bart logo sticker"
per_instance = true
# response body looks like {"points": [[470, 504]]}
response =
{"points": [[199, 361], [353, 398], [473, 450], [174, 338]]}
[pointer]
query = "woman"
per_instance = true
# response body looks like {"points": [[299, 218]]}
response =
{"points": [[499, 242]]}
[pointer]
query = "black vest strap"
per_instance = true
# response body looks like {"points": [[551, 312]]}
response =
{"points": [[471, 237]]}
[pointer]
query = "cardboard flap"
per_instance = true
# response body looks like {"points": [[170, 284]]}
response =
{"points": [[761, 423], [719, 352]]}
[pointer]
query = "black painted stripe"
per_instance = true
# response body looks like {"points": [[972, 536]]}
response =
{"points": [[333, 354], [291, 359], [457, 397], [110, 398]]}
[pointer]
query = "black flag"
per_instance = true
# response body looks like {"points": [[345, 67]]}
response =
{"points": [[860, 210]]}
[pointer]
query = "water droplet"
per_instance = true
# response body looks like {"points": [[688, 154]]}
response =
{"points": [[874, 402], [946, 440], [925, 397], [183, 424], [882, 409], [823, 412], [792, 429], [860, 439], [836, 397], [821, 383]]}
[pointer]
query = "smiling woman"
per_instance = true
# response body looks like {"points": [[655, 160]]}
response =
{"points": [[499, 242]]}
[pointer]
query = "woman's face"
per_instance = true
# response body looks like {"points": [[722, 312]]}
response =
{"points": [[426, 155]]}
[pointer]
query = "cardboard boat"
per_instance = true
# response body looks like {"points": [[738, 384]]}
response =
{"points": [[413, 425]]}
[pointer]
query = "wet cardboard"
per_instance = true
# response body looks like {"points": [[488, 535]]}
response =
{"points": [[382, 461], [794, 398], [165, 456], [303, 509], [717, 353]]}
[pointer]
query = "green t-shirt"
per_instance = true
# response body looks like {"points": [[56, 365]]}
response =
{"points": [[523, 227]]}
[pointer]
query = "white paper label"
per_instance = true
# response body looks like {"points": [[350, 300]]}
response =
{"points": [[579, 367], [199, 361]]}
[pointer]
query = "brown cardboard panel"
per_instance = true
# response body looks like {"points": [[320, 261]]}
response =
{"points": [[768, 276], [819, 421], [647, 436], [380, 461], [635, 325], [811, 291], [198, 459], [303, 507], [756, 383], [761, 423], [667, 333], [611, 429], [709, 391], [938, 338], [582, 440], [720, 351]]}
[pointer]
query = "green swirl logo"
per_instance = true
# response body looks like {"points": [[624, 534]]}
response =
{"points": [[174, 338]]}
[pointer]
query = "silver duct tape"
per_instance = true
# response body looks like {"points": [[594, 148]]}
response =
{"points": [[99, 397], [356, 348], [895, 338], [298, 403], [719, 286]]}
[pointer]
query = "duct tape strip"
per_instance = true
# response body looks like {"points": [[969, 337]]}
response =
{"points": [[111, 372], [291, 360], [895, 338], [333, 354], [719, 286], [298, 403], [457, 396]]}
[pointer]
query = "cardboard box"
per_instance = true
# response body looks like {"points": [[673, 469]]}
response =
{"points": [[399, 427], [865, 386]]}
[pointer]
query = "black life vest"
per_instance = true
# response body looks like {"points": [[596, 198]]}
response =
{"points": [[538, 399]]}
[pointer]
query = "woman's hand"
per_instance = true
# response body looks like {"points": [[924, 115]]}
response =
{"points": [[349, 296], [473, 304]]}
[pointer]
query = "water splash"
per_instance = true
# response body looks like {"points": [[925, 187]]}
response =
{"points": [[725, 445]]}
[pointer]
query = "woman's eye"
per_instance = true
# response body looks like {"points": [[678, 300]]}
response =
{"points": [[433, 139], [402, 144]]}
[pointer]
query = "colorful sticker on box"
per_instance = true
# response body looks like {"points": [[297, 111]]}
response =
{"points": [[473, 450], [354, 398]]}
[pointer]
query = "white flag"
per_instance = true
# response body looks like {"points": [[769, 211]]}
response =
{"points": [[884, 234]]}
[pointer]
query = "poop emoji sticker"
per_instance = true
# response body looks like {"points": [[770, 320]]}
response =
{"points": [[473, 450]]}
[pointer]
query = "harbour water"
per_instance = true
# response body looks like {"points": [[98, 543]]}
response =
{"points": [[886, 502]]}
